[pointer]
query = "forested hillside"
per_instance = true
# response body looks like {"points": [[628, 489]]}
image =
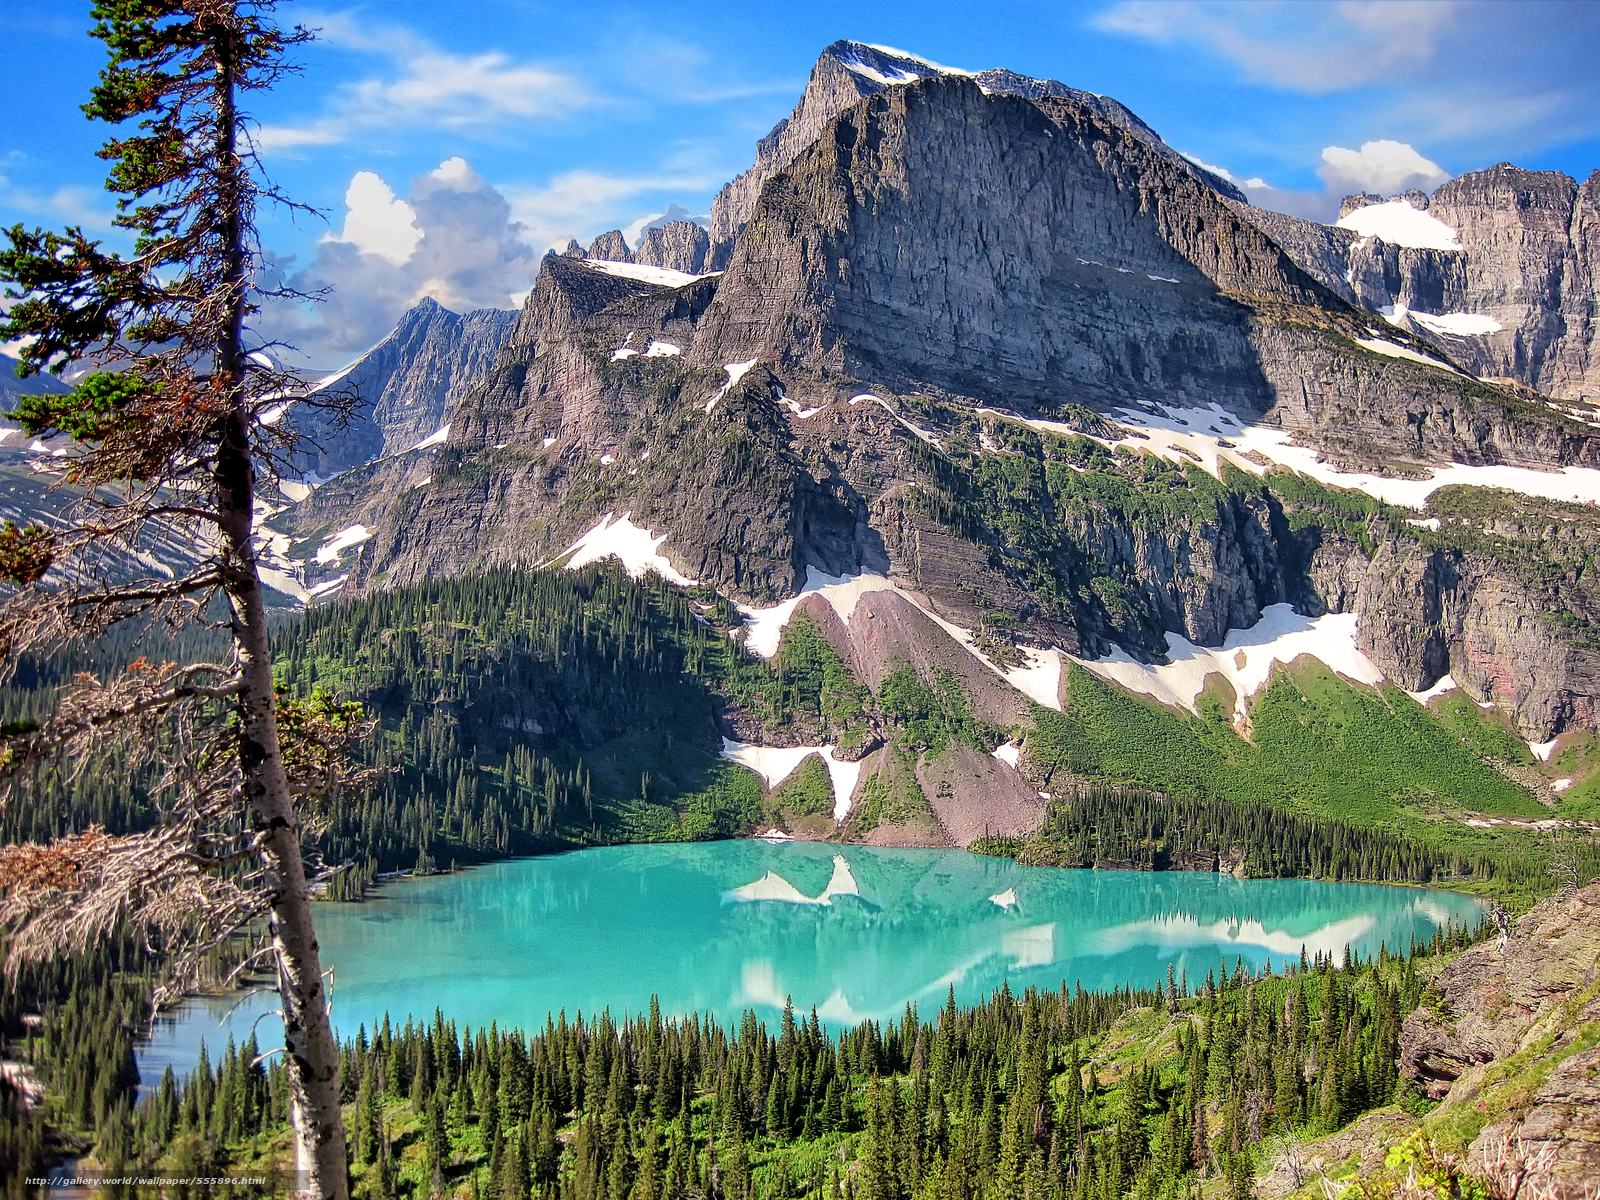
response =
{"points": [[527, 711], [1049, 1094]]}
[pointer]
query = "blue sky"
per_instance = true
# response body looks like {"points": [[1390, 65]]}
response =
{"points": [[557, 120]]}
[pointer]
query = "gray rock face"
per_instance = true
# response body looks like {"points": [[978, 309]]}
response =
{"points": [[993, 245], [610, 247], [1529, 259], [405, 384], [1030, 251], [677, 246], [1531, 250], [847, 72]]}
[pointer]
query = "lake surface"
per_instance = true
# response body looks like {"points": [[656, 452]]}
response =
{"points": [[858, 932]]}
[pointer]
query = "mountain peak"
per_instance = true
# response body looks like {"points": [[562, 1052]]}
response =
{"points": [[884, 65], [847, 72]]}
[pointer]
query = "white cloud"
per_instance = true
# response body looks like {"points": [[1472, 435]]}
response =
{"points": [[70, 204], [376, 221], [1314, 48], [427, 87], [584, 203], [1383, 166], [1489, 80], [453, 238]]}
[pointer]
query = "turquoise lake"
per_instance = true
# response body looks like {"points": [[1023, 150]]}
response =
{"points": [[857, 932]]}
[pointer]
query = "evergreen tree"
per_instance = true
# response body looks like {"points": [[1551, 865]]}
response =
{"points": [[169, 441]]}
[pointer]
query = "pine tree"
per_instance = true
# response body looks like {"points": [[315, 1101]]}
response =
{"points": [[168, 438]]}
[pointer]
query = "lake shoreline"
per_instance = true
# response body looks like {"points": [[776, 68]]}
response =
{"points": [[722, 927]]}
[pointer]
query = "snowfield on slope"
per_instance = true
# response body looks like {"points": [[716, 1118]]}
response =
{"points": [[1039, 680], [1397, 223], [657, 275], [335, 546], [1195, 435], [776, 763], [637, 549], [1245, 658]]}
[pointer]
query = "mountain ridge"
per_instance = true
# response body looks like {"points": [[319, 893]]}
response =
{"points": [[1043, 400]]}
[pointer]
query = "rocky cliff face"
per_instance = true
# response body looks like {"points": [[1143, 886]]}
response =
{"points": [[1531, 250], [1507, 1031], [848, 72], [1526, 275], [405, 385], [680, 246], [882, 380]]}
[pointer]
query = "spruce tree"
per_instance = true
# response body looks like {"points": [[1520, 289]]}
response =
{"points": [[168, 439]]}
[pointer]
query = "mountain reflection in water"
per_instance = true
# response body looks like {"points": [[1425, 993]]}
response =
{"points": [[855, 931]]}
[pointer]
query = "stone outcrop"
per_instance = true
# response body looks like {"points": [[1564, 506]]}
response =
{"points": [[1529, 260], [677, 246], [1507, 1030]]}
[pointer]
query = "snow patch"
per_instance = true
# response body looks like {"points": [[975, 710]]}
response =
{"points": [[294, 489], [1040, 680], [624, 540], [1393, 350], [736, 372], [921, 433], [917, 58], [764, 626], [327, 586], [1561, 785], [1459, 324], [800, 413], [607, 459], [1162, 278], [331, 549], [1397, 223], [547, 443], [1446, 684], [1170, 431], [1010, 753], [662, 350], [660, 276], [1543, 750], [433, 439], [621, 353], [283, 581], [1006, 899], [776, 763], [1244, 659]]}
